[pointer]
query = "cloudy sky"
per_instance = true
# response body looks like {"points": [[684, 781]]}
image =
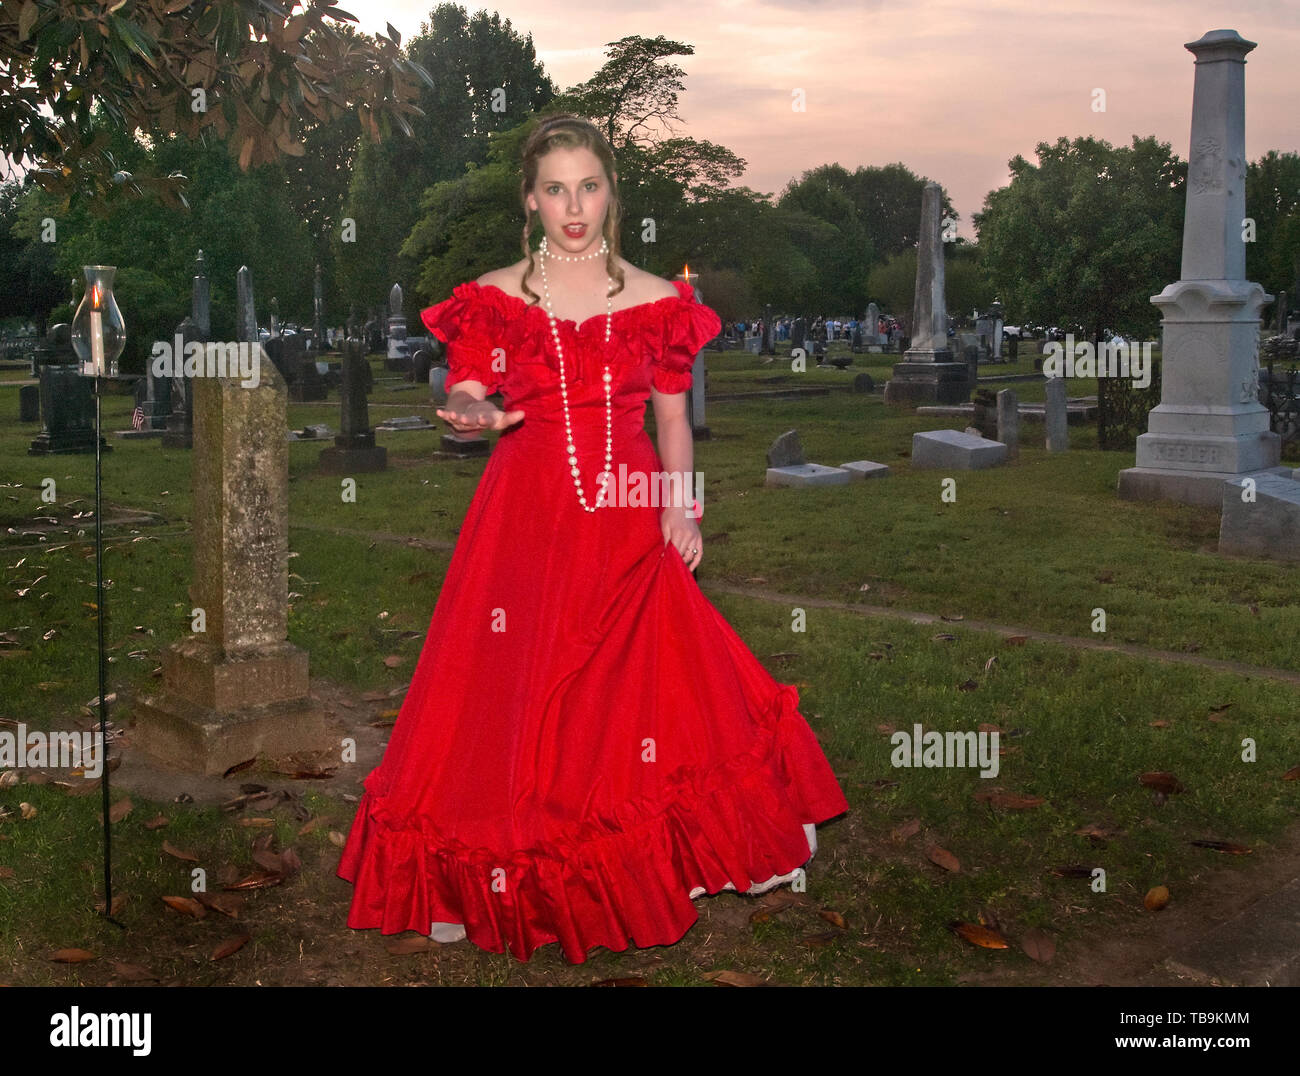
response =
{"points": [[952, 89]]}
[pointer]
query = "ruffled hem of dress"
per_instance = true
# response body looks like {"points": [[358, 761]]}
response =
{"points": [[609, 885]]}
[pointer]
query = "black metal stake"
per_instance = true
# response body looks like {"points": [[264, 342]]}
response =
{"points": [[103, 663]]}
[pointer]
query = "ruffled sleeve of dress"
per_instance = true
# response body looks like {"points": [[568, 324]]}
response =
{"points": [[477, 332], [688, 326]]}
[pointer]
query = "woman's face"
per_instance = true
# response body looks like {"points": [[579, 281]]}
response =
{"points": [[571, 189]]}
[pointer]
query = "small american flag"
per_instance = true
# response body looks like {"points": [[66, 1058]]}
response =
{"points": [[137, 417]]}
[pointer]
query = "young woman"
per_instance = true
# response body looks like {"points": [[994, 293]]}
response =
{"points": [[586, 745]]}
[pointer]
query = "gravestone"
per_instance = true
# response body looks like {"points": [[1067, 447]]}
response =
{"points": [[318, 312], [67, 400], [354, 448], [768, 335], [1265, 525], [786, 450], [863, 469], [399, 353], [201, 299], [928, 373], [954, 450], [239, 688], [298, 368], [984, 338], [699, 426], [1056, 416], [786, 466], [154, 398], [798, 334], [1209, 426], [871, 328], [863, 383], [180, 422], [29, 403], [1009, 421]]}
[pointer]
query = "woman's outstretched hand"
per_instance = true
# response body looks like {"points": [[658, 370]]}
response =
{"points": [[477, 415], [683, 533]]}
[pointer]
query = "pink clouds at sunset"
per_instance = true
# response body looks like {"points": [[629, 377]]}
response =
{"points": [[953, 90]]}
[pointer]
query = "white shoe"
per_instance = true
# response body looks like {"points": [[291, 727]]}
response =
{"points": [[446, 933]]}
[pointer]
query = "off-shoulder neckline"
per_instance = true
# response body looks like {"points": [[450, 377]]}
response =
{"points": [[681, 296]]}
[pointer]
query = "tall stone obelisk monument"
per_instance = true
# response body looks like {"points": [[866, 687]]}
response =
{"points": [[1209, 426], [928, 374]]}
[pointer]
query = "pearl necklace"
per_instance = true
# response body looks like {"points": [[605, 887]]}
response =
{"points": [[607, 473]]}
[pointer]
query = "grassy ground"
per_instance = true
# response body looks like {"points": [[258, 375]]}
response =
{"points": [[1041, 543]]}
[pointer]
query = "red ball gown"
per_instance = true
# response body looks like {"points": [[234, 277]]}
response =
{"points": [[586, 744]]}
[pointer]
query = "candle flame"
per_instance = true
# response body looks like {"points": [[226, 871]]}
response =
{"points": [[96, 300], [687, 273]]}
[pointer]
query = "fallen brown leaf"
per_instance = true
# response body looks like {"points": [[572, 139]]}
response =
{"points": [[734, 978], [187, 905], [777, 899], [1095, 833], [1156, 898], [943, 858], [1038, 945], [157, 822], [118, 811], [71, 956], [834, 918], [1293, 774], [1162, 782], [228, 904], [269, 860], [415, 943], [910, 828], [256, 880], [231, 945], [634, 980], [179, 853], [984, 937]]}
